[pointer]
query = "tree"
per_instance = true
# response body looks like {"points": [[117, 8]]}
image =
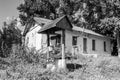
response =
{"points": [[90, 14], [49, 9], [10, 34], [31, 8], [90, 10]]}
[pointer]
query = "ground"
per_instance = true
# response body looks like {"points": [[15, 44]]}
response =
{"points": [[87, 68]]}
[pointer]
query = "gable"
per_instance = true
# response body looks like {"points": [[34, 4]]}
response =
{"points": [[64, 24], [57, 24]]}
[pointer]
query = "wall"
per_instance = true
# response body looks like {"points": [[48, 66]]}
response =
{"points": [[33, 39], [80, 36], [38, 41]]}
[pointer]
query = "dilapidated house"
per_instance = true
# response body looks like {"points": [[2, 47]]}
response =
{"points": [[61, 33], [74, 39]]}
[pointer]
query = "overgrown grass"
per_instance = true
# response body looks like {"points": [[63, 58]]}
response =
{"points": [[29, 65]]}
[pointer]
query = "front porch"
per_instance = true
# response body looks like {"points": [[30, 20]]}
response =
{"points": [[55, 31]]}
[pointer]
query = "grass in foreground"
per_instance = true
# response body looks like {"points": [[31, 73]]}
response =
{"points": [[101, 68]]}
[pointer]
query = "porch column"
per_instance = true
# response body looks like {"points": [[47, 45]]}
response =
{"points": [[63, 48], [63, 44], [48, 45]]}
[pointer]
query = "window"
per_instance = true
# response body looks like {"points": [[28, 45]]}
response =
{"points": [[93, 45], [74, 40], [85, 44], [104, 46]]}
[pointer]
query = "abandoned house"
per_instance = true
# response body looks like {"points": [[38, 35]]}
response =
{"points": [[76, 40]]}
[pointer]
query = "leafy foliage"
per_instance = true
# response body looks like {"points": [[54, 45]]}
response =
{"points": [[101, 16], [10, 34], [41, 8], [110, 26], [90, 12]]}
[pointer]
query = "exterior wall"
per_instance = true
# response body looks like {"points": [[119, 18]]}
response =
{"points": [[33, 39], [99, 43]]}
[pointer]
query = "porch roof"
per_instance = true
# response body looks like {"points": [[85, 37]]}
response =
{"points": [[57, 24]]}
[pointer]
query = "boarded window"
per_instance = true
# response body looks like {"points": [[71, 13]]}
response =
{"points": [[74, 40], [93, 45], [104, 46], [85, 44]]}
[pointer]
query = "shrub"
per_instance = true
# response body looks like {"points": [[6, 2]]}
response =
{"points": [[25, 55]]}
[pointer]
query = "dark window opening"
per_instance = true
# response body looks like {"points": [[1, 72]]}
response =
{"points": [[74, 40], [104, 46], [93, 45], [57, 39], [85, 44]]}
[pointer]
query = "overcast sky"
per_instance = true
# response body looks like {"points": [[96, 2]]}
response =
{"points": [[8, 8]]}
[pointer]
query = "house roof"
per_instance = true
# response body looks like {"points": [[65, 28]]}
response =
{"points": [[57, 23], [76, 28], [31, 24]]}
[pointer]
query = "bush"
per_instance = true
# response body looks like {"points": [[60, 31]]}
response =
{"points": [[25, 55]]}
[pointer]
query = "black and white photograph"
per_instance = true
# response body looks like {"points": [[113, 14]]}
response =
{"points": [[59, 39]]}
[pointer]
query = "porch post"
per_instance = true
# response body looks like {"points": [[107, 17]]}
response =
{"points": [[48, 45], [63, 48], [63, 44]]}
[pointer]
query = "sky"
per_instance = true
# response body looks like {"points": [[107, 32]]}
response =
{"points": [[8, 9]]}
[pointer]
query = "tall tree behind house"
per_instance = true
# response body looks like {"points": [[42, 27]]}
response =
{"points": [[90, 12]]}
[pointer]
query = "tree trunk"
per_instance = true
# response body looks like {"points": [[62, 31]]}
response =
{"points": [[118, 43]]}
